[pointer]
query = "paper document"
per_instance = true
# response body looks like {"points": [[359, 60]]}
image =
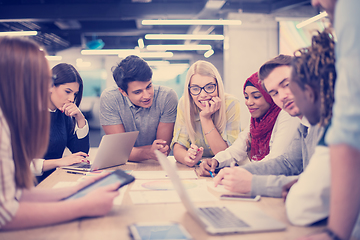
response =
{"points": [[166, 184], [162, 174], [147, 197]]}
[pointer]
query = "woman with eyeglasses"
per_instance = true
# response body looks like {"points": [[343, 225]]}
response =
{"points": [[208, 119], [68, 126], [269, 134]]}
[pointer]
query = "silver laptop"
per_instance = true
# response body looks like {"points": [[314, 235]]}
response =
{"points": [[114, 149], [219, 219]]}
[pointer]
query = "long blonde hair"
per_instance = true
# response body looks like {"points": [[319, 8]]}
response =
{"points": [[24, 92], [203, 68]]}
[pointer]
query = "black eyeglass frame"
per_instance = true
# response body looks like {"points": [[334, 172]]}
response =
{"points": [[202, 88]]}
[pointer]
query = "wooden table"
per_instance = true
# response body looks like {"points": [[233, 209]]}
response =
{"points": [[114, 224]]}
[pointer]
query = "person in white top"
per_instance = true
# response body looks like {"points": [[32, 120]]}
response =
{"points": [[270, 132], [312, 83], [24, 134]]}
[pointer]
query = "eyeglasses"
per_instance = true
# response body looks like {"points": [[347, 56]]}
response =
{"points": [[208, 88]]}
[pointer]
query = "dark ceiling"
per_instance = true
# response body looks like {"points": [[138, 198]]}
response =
{"points": [[67, 23]]}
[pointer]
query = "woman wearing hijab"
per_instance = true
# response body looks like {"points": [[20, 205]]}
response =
{"points": [[270, 132]]}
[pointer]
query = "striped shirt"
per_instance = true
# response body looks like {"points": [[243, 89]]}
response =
{"points": [[9, 193]]}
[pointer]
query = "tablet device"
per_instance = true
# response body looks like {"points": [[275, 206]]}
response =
{"points": [[158, 231], [116, 176]]}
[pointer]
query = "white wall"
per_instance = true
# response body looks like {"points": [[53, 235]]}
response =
{"points": [[246, 48]]}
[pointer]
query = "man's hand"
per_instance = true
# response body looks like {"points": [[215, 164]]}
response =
{"points": [[160, 145], [234, 179], [208, 164]]}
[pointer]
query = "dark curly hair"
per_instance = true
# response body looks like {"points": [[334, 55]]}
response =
{"points": [[315, 66]]}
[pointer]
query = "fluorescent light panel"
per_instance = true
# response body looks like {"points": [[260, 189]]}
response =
{"points": [[209, 53], [179, 47], [109, 51], [141, 43], [150, 55], [191, 22], [53, 58], [311, 20], [19, 33], [183, 37]]}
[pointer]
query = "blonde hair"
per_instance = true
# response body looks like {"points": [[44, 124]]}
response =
{"points": [[25, 80], [203, 68]]}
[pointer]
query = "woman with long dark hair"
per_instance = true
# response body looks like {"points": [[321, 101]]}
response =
{"points": [[68, 126]]}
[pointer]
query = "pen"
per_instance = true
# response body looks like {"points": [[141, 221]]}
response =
{"points": [[76, 172], [211, 174]]}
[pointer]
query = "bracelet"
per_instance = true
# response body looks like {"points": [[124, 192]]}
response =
{"points": [[210, 131], [331, 234]]}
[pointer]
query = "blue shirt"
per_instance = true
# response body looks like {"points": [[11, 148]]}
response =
{"points": [[116, 109], [345, 128]]}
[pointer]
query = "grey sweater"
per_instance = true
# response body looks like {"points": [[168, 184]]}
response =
{"points": [[271, 175]]}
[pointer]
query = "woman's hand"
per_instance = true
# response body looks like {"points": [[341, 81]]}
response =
{"points": [[72, 159], [100, 201], [194, 155], [210, 108], [71, 110]]}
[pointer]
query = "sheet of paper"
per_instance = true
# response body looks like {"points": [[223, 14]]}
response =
{"points": [[219, 188], [148, 197], [162, 174], [166, 184]]}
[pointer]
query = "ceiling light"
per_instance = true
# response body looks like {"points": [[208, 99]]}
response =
{"points": [[311, 20], [187, 47], [141, 43], [209, 53], [191, 22], [184, 37], [214, 4], [150, 55], [53, 58], [109, 51], [19, 33]]}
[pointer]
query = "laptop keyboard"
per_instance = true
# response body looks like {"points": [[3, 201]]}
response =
{"points": [[221, 217], [82, 165]]}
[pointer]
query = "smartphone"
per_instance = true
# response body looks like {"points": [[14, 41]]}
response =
{"points": [[240, 197], [158, 231], [116, 176]]}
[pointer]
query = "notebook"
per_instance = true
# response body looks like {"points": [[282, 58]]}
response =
{"points": [[114, 149], [221, 219]]}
